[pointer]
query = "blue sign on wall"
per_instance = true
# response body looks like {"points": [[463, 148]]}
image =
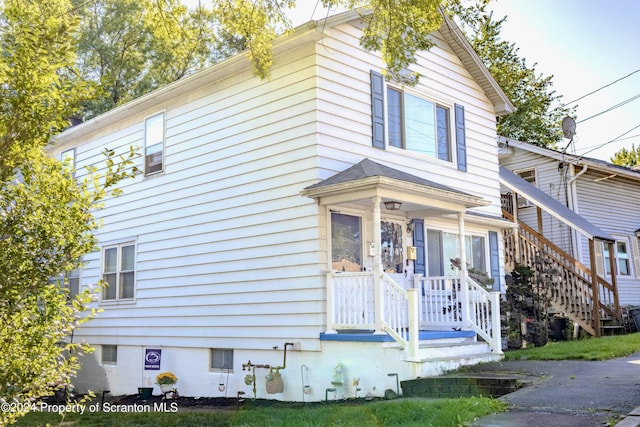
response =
{"points": [[152, 359]]}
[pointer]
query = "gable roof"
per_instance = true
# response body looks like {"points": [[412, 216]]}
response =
{"points": [[551, 205], [507, 144], [461, 46], [305, 33]]}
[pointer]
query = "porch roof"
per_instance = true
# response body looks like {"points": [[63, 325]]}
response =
{"points": [[368, 178], [551, 205]]}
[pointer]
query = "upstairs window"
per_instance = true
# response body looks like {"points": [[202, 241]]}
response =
{"points": [[403, 120], [419, 125], [154, 144], [118, 272]]}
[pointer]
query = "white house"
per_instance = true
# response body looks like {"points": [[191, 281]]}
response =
{"points": [[304, 222], [604, 194]]}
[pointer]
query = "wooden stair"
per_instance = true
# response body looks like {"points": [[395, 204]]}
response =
{"points": [[571, 287]]}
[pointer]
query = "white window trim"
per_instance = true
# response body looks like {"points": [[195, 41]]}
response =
{"points": [[446, 103], [363, 229], [119, 245], [484, 235], [522, 201], [146, 146], [229, 369], [629, 258]]}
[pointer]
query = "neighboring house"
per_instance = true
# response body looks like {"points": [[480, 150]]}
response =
{"points": [[603, 195], [308, 218]]}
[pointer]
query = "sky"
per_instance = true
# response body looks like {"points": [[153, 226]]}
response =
{"points": [[585, 45]]}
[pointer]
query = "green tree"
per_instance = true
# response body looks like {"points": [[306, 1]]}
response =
{"points": [[539, 114], [38, 93], [46, 221], [397, 29], [132, 47], [628, 158]]}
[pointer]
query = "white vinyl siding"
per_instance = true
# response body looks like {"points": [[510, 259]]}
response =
{"points": [[223, 236]]}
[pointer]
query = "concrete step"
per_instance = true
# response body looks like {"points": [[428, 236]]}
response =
{"points": [[460, 386]]}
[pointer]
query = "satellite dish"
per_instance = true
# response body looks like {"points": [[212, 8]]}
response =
{"points": [[568, 127]]}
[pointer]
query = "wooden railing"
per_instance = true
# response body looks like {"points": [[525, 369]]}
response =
{"points": [[567, 282]]}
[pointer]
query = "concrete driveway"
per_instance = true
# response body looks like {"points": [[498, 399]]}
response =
{"points": [[568, 393]]}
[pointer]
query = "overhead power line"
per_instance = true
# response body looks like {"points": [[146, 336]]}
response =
{"points": [[603, 87], [618, 105], [617, 138]]}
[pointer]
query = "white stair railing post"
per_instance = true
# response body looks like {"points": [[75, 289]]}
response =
{"points": [[496, 332], [414, 324], [464, 286], [331, 296], [377, 269]]}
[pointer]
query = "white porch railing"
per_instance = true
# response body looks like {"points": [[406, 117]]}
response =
{"points": [[362, 301]]}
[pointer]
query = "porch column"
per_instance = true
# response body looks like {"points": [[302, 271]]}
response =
{"points": [[377, 268], [463, 273]]}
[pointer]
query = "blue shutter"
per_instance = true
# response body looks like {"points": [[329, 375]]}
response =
{"points": [[494, 259], [461, 141], [377, 109], [418, 241]]}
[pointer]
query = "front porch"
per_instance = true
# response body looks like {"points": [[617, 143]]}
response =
{"points": [[363, 306], [391, 241]]}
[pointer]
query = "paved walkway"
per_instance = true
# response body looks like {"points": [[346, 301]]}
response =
{"points": [[569, 393]]}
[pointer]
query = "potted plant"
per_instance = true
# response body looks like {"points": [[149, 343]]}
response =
{"points": [[166, 381]]}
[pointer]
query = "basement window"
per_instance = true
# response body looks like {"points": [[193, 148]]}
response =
{"points": [[221, 360]]}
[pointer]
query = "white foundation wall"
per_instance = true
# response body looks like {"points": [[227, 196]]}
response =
{"points": [[364, 363]]}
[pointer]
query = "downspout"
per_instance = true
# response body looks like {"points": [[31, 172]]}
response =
{"points": [[584, 169], [573, 201]]}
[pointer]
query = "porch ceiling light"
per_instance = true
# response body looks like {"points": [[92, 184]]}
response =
{"points": [[392, 205]]}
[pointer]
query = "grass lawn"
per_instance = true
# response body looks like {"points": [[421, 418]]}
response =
{"points": [[399, 412], [603, 348]]}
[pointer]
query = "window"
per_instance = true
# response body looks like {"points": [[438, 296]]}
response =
{"points": [[417, 124], [528, 175], [69, 154], [346, 242], [621, 256], [118, 271], [413, 123], [154, 144], [221, 359], [109, 354], [72, 282], [443, 246]]}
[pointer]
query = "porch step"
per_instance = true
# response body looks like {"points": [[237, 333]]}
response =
{"points": [[438, 358]]}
